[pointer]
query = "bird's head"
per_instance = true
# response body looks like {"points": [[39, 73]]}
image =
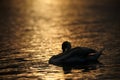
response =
{"points": [[66, 46]]}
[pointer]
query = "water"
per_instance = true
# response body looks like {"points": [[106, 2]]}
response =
{"points": [[31, 31]]}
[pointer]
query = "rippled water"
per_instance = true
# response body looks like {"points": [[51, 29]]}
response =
{"points": [[31, 31]]}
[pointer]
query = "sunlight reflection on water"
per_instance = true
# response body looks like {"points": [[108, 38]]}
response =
{"points": [[40, 26]]}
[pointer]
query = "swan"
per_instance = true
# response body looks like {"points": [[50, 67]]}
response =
{"points": [[75, 55]]}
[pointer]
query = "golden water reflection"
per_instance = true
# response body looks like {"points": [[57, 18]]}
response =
{"points": [[50, 32], [38, 29]]}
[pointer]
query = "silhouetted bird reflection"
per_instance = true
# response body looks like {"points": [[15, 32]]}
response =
{"points": [[86, 67], [76, 58]]}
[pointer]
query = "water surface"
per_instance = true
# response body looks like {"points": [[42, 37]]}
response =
{"points": [[31, 31]]}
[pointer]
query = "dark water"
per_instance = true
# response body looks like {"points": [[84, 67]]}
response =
{"points": [[31, 31]]}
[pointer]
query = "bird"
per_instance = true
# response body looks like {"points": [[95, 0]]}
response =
{"points": [[76, 55]]}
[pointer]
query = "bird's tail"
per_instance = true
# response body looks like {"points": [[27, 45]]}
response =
{"points": [[100, 53]]}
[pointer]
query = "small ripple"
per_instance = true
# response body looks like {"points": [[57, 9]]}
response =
{"points": [[11, 72]]}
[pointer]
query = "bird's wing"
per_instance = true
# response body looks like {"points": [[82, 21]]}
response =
{"points": [[88, 50]]}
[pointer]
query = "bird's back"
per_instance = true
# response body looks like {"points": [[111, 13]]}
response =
{"points": [[81, 51]]}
